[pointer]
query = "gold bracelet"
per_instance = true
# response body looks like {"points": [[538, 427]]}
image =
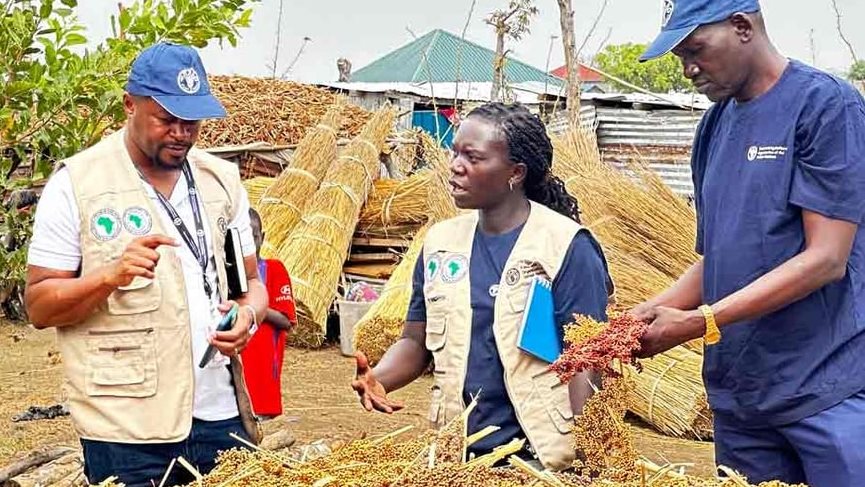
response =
{"points": [[713, 334]]}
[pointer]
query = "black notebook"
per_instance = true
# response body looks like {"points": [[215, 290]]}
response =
{"points": [[234, 268]]}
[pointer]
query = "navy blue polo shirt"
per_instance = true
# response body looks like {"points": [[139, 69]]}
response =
{"points": [[580, 287], [757, 166]]}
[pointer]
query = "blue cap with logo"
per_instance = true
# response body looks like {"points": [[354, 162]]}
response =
{"points": [[174, 76], [683, 17]]}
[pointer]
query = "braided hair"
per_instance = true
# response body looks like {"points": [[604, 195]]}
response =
{"points": [[529, 144]]}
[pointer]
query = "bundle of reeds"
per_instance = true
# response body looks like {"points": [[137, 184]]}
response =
{"points": [[669, 394], [256, 187], [382, 324], [283, 204], [317, 248], [274, 111], [394, 202]]}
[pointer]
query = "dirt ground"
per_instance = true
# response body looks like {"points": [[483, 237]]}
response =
{"points": [[318, 402]]}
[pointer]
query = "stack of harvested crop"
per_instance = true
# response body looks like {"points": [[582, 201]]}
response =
{"points": [[668, 393], [256, 188], [647, 231], [273, 111], [317, 248], [382, 324], [285, 201], [439, 458]]}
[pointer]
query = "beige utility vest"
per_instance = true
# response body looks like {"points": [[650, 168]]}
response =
{"points": [[128, 366], [541, 402]]}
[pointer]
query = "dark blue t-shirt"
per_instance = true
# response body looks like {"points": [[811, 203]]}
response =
{"points": [[580, 287], [756, 166]]}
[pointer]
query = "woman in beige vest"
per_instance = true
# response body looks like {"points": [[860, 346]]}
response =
{"points": [[471, 287]]}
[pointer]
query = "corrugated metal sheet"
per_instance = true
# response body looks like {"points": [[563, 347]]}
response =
{"points": [[674, 128], [672, 164], [662, 139]]}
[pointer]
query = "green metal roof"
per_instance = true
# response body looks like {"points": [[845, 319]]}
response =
{"points": [[440, 56]]}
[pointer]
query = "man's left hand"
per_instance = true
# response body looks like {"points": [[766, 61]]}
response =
{"points": [[233, 341], [671, 327]]}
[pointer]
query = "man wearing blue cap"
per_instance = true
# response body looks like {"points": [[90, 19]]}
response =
{"points": [[779, 294], [127, 262]]}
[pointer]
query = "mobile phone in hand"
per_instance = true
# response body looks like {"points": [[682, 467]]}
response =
{"points": [[225, 324]]}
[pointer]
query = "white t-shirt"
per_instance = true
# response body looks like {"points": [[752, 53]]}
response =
{"points": [[56, 245]]}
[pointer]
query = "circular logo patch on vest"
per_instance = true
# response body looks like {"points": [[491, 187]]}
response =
{"points": [[512, 276], [433, 267], [137, 221], [752, 153], [454, 268], [105, 224]]}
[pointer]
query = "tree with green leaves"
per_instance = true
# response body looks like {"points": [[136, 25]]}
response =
{"points": [[57, 98], [662, 75], [857, 71], [511, 23]]}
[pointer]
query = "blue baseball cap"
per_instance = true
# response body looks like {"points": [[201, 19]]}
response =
{"points": [[174, 76], [683, 17]]}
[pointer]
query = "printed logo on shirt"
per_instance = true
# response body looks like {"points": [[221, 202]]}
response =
{"points": [[105, 224], [285, 294], [669, 7], [433, 266], [766, 153], [189, 82], [455, 268], [136, 220]]}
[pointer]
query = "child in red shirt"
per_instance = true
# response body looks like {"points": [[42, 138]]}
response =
{"points": [[263, 356]]}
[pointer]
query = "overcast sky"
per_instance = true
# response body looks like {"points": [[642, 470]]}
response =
{"points": [[363, 30]]}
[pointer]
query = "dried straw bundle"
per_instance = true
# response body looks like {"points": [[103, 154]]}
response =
{"points": [[317, 248], [256, 187], [382, 324], [393, 202], [285, 201], [669, 394], [274, 111], [647, 231]]}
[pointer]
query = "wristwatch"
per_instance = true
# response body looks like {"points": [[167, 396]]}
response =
{"points": [[254, 326], [713, 334]]}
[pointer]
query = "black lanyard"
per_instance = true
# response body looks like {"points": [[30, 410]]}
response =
{"points": [[199, 250]]}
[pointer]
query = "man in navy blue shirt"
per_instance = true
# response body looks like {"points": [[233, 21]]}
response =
{"points": [[779, 294]]}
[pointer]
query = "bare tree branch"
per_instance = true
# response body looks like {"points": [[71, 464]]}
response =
{"points": [[813, 46], [841, 31], [306, 40], [278, 40], [592, 30]]}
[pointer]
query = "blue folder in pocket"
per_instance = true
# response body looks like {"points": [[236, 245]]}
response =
{"points": [[538, 332]]}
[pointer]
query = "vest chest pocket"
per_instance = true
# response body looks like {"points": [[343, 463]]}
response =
{"points": [[140, 296], [436, 322], [121, 363]]}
